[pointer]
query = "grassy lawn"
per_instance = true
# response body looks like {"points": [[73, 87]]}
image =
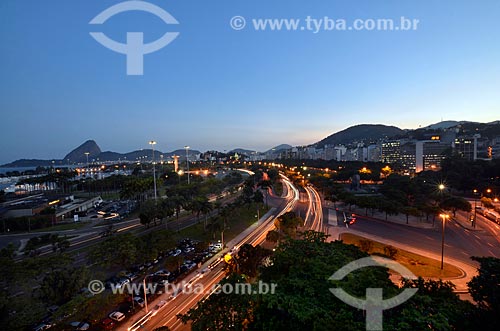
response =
{"points": [[63, 227], [418, 264]]}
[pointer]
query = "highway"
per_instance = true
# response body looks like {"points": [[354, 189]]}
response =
{"points": [[187, 298], [460, 244], [314, 214]]}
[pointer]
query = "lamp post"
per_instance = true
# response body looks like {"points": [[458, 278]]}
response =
{"points": [[444, 217], [87, 155], [187, 162], [475, 208], [153, 143], [145, 293]]}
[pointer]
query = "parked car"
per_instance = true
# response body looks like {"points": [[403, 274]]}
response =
{"points": [[117, 316], [188, 249], [80, 326], [162, 272], [132, 276], [107, 323], [139, 301], [121, 282], [42, 327]]}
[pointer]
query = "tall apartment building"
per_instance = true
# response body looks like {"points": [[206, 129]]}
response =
{"points": [[466, 147], [391, 151], [429, 154]]}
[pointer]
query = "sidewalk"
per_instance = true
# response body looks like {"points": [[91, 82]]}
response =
{"points": [[462, 219], [460, 282], [413, 221]]}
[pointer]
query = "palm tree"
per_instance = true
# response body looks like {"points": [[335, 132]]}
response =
{"points": [[179, 202], [205, 208], [214, 226]]}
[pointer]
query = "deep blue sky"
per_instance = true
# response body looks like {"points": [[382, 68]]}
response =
{"points": [[214, 87]]}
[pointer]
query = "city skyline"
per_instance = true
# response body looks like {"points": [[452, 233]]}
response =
{"points": [[218, 88], [229, 148]]}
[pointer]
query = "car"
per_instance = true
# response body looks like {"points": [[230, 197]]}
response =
{"points": [[121, 282], [132, 276], [80, 326], [188, 249], [43, 326], [177, 252], [350, 219], [117, 316], [52, 309], [139, 301], [107, 323], [162, 272], [158, 307]]}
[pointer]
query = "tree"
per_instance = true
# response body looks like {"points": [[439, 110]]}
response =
{"points": [[168, 208], [222, 311], [214, 226], [389, 207], [410, 211], [265, 185], [120, 250], [485, 290], [302, 300], [456, 203], [59, 286], [249, 258], [258, 197], [435, 306], [288, 223], [273, 236], [205, 208], [148, 212], [179, 202], [174, 262]]}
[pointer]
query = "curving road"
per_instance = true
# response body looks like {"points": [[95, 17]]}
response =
{"points": [[198, 284]]}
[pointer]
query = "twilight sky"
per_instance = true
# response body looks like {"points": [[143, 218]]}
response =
{"points": [[217, 88]]}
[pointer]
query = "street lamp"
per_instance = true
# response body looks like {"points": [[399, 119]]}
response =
{"points": [[187, 162], [475, 208], [145, 293], [444, 217], [180, 173], [87, 155], [153, 143]]}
